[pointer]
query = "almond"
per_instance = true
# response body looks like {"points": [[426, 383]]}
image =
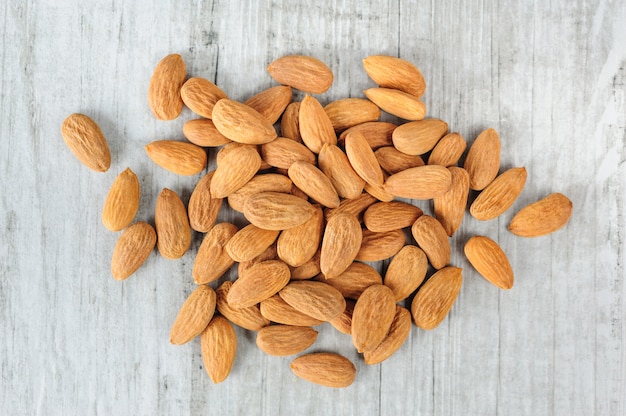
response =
{"points": [[349, 112], [392, 72], [304, 73], [289, 122], [202, 132], [234, 147], [355, 279], [397, 103], [241, 123], [542, 217], [212, 260], [449, 208], [314, 183], [122, 201], [181, 158], [483, 159], [380, 246], [277, 211], [249, 318], [283, 340], [194, 316], [234, 170], [202, 208], [249, 242], [132, 249], [340, 244], [419, 137], [299, 244], [436, 297], [86, 141], [172, 225], [398, 333], [432, 238], [423, 182], [362, 159], [499, 195], [336, 166], [316, 129], [258, 283], [377, 133], [406, 272], [372, 317], [324, 368], [354, 206], [343, 323], [387, 216], [271, 102], [391, 160], [283, 152], [164, 90], [277, 310], [379, 191], [200, 95], [448, 150], [266, 182], [307, 270], [269, 253], [490, 261], [316, 299], [219, 347]]}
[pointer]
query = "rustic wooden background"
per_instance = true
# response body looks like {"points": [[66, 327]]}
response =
{"points": [[549, 76]]}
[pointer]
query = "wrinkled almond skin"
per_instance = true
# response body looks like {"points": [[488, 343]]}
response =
{"points": [[316, 299], [219, 348], [172, 225], [234, 170], [448, 150], [542, 217], [387, 216], [449, 208], [343, 323], [258, 283], [355, 279], [194, 315], [200, 95], [423, 182], [86, 141], [241, 123], [490, 261], [436, 297], [270, 253], [178, 157], [398, 333], [377, 133], [483, 159], [264, 182], [419, 137], [212, 260], [304, 73], [406, 272], [164, 91], [202, 132], [363, 159], [290, 123], [349, 112], [277, 211], [316, 129], [299, 244], [277, 310], [355, 206], [325, 368], [340, 244], [372, 317], [392, 72], [249, 318], [432, 238], [202, 208], [336, 166], [312, 181], [391, 160], [499, 195], [397, 103], [132, 249], [284, 340], [249, 242], [271, 102], [283, 152], [122, 201], [377, 246]]}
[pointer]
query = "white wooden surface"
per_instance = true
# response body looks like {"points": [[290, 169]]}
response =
{"points": [[549, 76]]}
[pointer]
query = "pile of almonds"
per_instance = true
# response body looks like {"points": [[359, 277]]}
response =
{"points": [[323, 199]]}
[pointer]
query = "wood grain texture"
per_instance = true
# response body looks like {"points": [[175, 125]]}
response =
{"points": [[548, 76]]}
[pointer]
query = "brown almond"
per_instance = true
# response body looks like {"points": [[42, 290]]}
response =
{"points": [[542, 217], [316, 129], [283, 340], [406, 272], [266, 182], [340, 244], [202, 132], [324, 368], [436, 297], [316, 299], [483, 159], [271, 103], [355, 206], [219, 348], [164, 91], [423, 182], [355, 279], [314, 183], [380, 246], [372, 317], [363, 159], [249, 318], [289, 122], [499, 195], [132, 249], [181, 158], [299, 244], [295, 191], [392, 72], [201, 95], [194, 316], [249, 242], [283, 152], [397, 103], [449, 208], [398, 333], [269, 253], [419, 137], [432, 238], [336, 166], [349, 112], [122, 201], [234, 170], [241, 123], [212, 260], [387, 216], [448, 150], [379, 191], [490, 261], [343, 323], [307, 270], [277, 310], [391, 160], [304, 73], [377, 133], [86, 141], [202, 208], [277, 211], [172, 225], [234, 147], [258, 283]]}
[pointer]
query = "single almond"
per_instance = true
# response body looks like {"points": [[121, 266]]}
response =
{"points": [[234, 147], [340, 244], [343, 323], [271, 103], [164, 91], [436, 297], [316, 129], [269, 253], [490, 261], [432, 238], [299, 244], [283, 340], [363, 159], [283, 152], [249, 242], [202, 132], [398, 333], [355, 279], [265, 182], [241, 123], [277, 310], [406, 272], [132, 249], [378, 246], [314, 183], [392, 72], [234, 170], [324, 368], [423, 182], [178, 157], [172, 225], [391, 160], [86, 141], [397, 103], [202, 208], [372, 317], [377, 133], [249, 318], [307, 270], [289, 122], [387, 216], [449, 208], [483, 159], [336, 166], [542, 217], [304, 73], [201, 95], [277, 211], [258, 283], [419, 137], [212, 260], [499, 195], [219, 348], [122, 201], [194, 316], [349, 112], [316, 299], [354, 207], [448, 150]]}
